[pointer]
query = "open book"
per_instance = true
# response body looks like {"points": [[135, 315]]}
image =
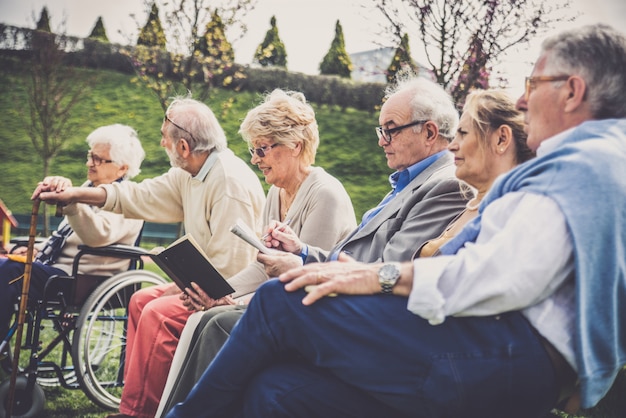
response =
{"points": [[184, 261], [244, 232]]}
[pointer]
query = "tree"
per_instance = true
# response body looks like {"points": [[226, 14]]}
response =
{"points": [[401, 60], [185, 66], [337, 61], [43, 24], [213, 43], [448, 28], [214, 53], [152, 34], [54, 90], [271, 52], [474, 74], [98, 33]]}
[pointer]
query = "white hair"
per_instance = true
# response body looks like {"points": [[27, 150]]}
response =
{"points": [[124, 146]]}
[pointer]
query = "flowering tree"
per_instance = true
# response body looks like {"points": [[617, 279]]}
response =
{"points": [[214, 43], [152, 34], [468, 36], [474, 74], [271, 52], [191, 62], [401, 60], [337, 61]]}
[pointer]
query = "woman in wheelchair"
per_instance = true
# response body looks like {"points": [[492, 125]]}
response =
{"points": [[115, 154]]}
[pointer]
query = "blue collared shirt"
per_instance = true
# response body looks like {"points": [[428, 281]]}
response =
{"points": [[399, 180]]}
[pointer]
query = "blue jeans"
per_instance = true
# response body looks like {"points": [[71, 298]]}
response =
{"points": [[371, 357], [9, 293]]}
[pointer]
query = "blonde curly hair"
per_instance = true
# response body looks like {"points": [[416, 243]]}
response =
{"points": [[286, 118]]}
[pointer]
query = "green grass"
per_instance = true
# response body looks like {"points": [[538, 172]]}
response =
{"points": [[63, 403]]}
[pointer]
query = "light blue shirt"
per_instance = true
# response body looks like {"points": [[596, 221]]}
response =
{"points": [[399, 180]]}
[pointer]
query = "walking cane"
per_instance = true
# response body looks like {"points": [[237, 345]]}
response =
{"points": [[22, 311]]}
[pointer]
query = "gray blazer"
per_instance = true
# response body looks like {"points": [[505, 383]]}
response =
{"points": [[417, 214]]}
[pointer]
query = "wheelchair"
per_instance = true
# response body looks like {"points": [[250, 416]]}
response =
{"points": [[86, 326]]}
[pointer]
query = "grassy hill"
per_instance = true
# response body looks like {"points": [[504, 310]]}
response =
{"points": [[348, 147]]}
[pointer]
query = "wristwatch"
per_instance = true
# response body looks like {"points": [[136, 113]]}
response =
{"points": [[388, 275]]}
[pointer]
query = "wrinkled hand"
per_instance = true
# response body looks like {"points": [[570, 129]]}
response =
{"points": [[281, 237], [332, 278], [279, 263], [51, 185], [56, 183], [62, 198], [23, 249], [196, 299]]}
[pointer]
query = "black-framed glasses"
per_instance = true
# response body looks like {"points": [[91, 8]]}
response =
{"points": [[262, 151], [530, 82], [387, 134], [166, 118], [97, 161]]}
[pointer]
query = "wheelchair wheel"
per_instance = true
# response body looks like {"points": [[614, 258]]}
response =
{"points": [[99, 342], [6, 359], [45, 378], [26, 405]]}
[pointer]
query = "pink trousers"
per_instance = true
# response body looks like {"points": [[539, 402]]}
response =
{"points": [[154, 326]]}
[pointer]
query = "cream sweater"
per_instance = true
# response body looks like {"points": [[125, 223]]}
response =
{"points": [[208, 204], [321, 214]]}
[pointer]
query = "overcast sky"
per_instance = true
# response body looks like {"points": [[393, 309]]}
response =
{"points": [[305, 26]]}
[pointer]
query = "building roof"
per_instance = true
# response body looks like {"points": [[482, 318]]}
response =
{"points": [[371, 66]]}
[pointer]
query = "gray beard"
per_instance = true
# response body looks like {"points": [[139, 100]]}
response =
{"points": [[175, 159]]}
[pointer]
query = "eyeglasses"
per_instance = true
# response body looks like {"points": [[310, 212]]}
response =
{"points": [[167, 119], [532, 81], [97, 161], [387, 134], [262, 151]]}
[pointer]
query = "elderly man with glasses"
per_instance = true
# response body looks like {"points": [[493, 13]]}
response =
{"points": [[208, 188], [417, 122]]}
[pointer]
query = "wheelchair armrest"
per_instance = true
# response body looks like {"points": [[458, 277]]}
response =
{"points": [[54, 291], [115, 250], [23, 242]]}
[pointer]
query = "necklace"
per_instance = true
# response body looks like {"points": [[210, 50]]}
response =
{"points": [[285, 204], [472, 207]]}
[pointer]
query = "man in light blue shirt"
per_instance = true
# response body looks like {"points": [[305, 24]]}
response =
{"points": [[417, 122]]}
